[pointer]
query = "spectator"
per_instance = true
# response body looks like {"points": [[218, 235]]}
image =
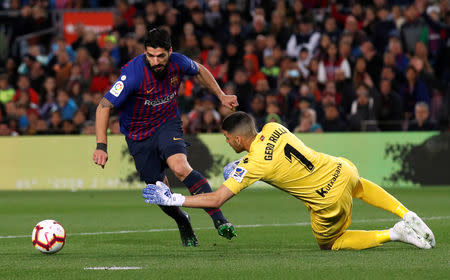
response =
{"points": [[383, 29], [389, 111], [23, 88], [78, 120], [66, 105], [126, 11], [412, 30], [401, 60], [333, 121], [308, 122], [88, 128], [331, 29], [329, 65], [279, 28], [218, 70], [422, 120], [271, 70], [100, 81], [62, 69], [362, 114], [373, 60], [86, 62], [258, 110], [305, 37], [6, 91], [360, 75], [414, 91], [244, 90]]}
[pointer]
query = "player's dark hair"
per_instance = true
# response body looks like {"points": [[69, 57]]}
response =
{"points": [[240, 122], [158, 38]]}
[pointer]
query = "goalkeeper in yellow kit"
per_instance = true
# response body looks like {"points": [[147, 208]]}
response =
{"points": [[326, 184]]}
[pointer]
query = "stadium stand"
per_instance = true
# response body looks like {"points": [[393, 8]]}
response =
{"points": [[313, 65]]}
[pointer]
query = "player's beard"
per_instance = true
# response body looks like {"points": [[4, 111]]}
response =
{"points": [[160, 73]]}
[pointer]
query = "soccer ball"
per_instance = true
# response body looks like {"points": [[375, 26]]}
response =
{"points": [[48, 236]]}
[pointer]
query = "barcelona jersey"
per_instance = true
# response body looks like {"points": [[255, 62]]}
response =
{"points": [[145, 103]]}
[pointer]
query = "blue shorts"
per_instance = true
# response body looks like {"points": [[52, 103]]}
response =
{"points": [[150, 154]]}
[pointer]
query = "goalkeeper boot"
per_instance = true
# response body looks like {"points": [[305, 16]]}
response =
{"points": [[402, 232], [416, 223], [225, 229], [188, 237]]}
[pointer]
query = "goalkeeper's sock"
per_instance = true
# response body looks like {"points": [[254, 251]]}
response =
{"points": [[197, 184], [376, 196], [175, 213], [361, 239]]}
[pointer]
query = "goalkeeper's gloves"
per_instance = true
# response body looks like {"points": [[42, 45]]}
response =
{"points": [[160, 194], [229, 168]]}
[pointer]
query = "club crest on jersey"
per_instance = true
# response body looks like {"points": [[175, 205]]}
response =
{"points": [[239, 173], [117, 88], [173, 81]]}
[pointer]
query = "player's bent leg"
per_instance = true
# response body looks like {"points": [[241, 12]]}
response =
{"points": [[197, 184], [359, 240], [375, 195]]}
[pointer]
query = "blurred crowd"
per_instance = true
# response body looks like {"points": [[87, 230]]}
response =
{"points": [[312, 65]]}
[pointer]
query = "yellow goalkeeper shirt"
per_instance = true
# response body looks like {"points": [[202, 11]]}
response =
{"points": [[280, 159]]}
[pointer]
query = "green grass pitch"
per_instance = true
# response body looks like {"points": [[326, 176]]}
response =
{"points": [[274, 239]]}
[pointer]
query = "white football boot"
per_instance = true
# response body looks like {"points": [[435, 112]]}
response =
{"points": [[404, 233], [416, 223]]}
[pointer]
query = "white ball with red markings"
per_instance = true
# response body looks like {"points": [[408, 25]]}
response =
{"points": [[48, 236]]}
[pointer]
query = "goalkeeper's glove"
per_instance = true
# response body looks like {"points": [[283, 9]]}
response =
{"points": [[160, 194], [229, 168]]}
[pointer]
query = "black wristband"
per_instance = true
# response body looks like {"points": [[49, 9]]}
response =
{"points": [[102, 146]]}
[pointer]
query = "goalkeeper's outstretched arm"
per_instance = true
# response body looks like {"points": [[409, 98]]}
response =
{"points": [[210, 200]]}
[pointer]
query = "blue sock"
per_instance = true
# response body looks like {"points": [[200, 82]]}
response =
{"points": [[198, 184]]}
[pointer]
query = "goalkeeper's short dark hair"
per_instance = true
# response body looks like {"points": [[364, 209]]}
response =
{"points": [[158, 38], [239, 123]]}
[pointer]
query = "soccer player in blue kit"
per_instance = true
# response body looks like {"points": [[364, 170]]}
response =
{"points": [[146, 95]]}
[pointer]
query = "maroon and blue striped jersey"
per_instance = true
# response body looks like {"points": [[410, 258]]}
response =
{"points": [[145, 103]]}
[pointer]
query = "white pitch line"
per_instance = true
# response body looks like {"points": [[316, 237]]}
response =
{"points": [[112, 268], [208, 228]]}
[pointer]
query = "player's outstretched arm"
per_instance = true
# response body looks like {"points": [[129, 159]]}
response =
{"points": [[100, 155], [160, 194], [207, 80], [210, 200]]}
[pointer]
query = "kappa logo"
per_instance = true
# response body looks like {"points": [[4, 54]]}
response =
{"points": [[239, 174]]}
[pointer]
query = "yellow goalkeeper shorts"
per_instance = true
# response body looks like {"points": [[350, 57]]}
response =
{"points": [[329, 223]]}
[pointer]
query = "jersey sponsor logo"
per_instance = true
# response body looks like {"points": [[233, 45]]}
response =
{"points": [[238, 174], [123, 78], [117, 88], [160, 101], [323, 191]]}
